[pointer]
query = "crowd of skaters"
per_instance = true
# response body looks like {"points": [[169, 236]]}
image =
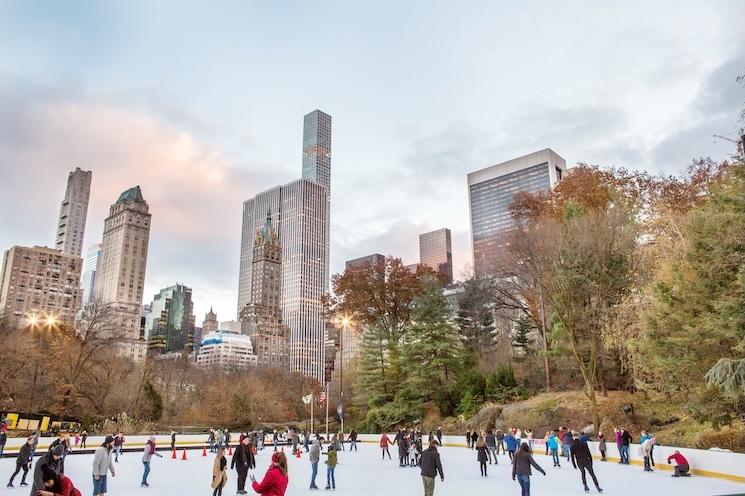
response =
{"points": [[49, 479]]}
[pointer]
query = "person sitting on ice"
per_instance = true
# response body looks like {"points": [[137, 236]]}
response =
{"points": [[681, 464]]}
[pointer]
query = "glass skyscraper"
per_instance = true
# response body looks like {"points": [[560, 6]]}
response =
{"points": [[170, 323], [89, 274], [490, 194], [301, 212], [436, 252]]}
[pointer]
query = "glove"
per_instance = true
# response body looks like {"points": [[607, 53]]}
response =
{"points": [[513, 476]]}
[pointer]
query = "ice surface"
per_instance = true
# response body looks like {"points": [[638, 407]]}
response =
{"points": [[365, 474]]}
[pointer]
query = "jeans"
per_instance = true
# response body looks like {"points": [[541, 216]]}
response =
{"points": [[429, 485], [625, 454], [146, 472], [565, 451], [352, 445], [117, 452], [330, 480], [500, 444], [492, 451], [524, 481], [19, 467], [314, 466], [555, 456], [99, 486]]}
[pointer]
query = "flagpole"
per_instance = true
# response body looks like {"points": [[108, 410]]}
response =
{"points": [[327, 411], [311, 414]]}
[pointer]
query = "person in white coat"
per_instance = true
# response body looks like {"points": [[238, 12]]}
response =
{"points": [[103, 463]]}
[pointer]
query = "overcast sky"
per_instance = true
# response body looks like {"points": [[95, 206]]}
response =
{"points": [[201, 104]]}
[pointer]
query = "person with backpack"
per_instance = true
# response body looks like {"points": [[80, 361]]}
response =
{"points": [[102, 464], [521, 468]]}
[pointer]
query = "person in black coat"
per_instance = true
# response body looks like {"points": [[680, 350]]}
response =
{"points": [[23, 462], [474, 438], [430, 465], [243, 460], [53, 461], [582, 457]]}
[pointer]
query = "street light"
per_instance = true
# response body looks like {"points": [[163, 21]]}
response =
{"points": [[343, 321], [49, 321]]}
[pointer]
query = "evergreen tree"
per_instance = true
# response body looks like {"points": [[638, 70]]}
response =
{"points": [[376, 382], [432, 349], [521, 342], [475, 317]]}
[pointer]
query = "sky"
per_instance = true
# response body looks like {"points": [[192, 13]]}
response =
{"points": [[201, 104]]}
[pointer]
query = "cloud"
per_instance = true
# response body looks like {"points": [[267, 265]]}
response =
{"points": [[194, 190]]}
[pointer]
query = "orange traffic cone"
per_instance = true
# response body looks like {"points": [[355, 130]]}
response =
{"points": [[173, 454], [183, 457], [230, 451], [204, 451]]}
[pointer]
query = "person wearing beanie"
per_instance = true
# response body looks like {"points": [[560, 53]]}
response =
{"points": [[147, 455], [243, 460], [275, 481], [55, 484], [23, 462], [53, 461], [102, 463], [331, 461]]}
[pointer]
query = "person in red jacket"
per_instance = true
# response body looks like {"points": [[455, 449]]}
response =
{"points": [[384, 443], [275, 480], [681, 464], [56, 484]]}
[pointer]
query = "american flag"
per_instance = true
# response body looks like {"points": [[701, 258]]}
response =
{"points": [[322, 397]]}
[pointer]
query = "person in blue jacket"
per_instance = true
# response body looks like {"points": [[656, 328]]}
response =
{"points": [[511, 442], [553, 447], [566, 442]]}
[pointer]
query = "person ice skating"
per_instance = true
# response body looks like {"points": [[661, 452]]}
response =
{"points": [[500, 442], [438, 435], [3, 440], [491, 447], [173, 440], [481, 455], [384, 443], [601, 445], [353, 440], [553, 447], [582, 458], [681, 464], [226, 438], [314, 456], [102, 464], [617, 439], [64, 442], [77, 439], [474, 438], [645, 450], [468, 439], [52, 460], [147, 455], [529, 437], [430, 466], [521, 468], [331, 460], [414, 454], [276, 479], [625, 443], [545, 441], [243, 460], [219, 472], [83, 438], [118, 446], [23, 461], [55, 484], [511, 444], [275, 438], [566, 443], [644, 436], [403, 450]]}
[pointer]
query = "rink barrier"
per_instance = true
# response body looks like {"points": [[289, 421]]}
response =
{"points": [[707, 463]]}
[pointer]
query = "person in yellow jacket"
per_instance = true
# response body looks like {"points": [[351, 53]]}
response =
{"points": [[219, 472], [330, 467]]}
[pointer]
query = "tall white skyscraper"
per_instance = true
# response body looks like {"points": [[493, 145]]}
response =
{"points": [[73, 213], [88, 281], [120, 276], [302, 215]]}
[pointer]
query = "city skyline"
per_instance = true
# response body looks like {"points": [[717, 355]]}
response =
{"points": [[201, 148]]}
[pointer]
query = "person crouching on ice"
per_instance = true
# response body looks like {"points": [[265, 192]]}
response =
{"points": [[56, 484], [681, 464]]}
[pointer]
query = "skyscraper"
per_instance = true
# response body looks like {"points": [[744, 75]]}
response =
{"points": [[261, 319], [73, 213], [89, 273], [374, 262], [39, 282], [302, 212], [436, 252], [170, 323], [490, 194], [317, 148], [210, 323], [121, 270]]}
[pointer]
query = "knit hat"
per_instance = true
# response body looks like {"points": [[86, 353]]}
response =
{"points": [[48, 474], [58, 450], [109, 439]]}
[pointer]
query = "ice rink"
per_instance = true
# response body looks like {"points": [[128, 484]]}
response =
{"points": [[364, 473]]}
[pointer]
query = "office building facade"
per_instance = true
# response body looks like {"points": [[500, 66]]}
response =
{"points": [[490, 194], [210, 324], [88, 280], [374, 262], [121, 270], [73, 213], [436, 252], [301, 215], [39, 282], [226, 351], [170, 323]]}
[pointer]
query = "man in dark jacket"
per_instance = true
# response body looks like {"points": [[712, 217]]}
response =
{"points": [[243, 460], [582, 457], [625, 443], [53, 461], [353, 440], [431, 466], [23, 462], [438, 433], [521, 468]]}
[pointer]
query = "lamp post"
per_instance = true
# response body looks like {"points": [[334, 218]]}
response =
{"points": [[342, 323], [38, 324]]}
